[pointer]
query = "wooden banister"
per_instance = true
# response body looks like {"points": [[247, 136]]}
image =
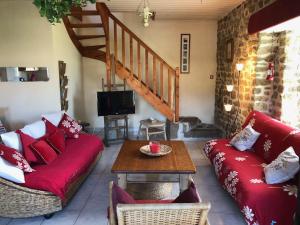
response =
{"points": [[134, 36], [154, 76]]}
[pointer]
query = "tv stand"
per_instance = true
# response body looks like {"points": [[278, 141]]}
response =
{"points": [[117, 124]]}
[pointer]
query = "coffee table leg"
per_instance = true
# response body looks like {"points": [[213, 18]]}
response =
{"points": [[183, 181], [122, 180]]}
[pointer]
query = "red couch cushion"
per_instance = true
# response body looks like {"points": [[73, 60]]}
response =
{"points": [[14, 157], [70, 126], [44, 150], [273, 140], [57, 140], [29, 154], [67, 167], [189, 195]]}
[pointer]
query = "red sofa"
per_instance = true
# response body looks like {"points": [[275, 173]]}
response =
{"points": [[50, 187], [242, 175], [67, 167]]}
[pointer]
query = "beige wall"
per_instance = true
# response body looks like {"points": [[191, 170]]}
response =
{"points": [[196, 89], [28, 40]]}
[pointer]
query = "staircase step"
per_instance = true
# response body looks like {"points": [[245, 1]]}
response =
{"points": [[93, 47], [82, 37], [85, 13], [86, 25], [95, 54]]}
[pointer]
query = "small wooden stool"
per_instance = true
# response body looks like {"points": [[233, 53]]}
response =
{"points": [[152, 127]]}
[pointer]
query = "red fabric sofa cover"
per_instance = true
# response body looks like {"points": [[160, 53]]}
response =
{"points": [[242, 175], [67, 167]]}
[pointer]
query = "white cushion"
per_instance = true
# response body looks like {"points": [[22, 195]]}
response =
{"points": [[245, 139], [283, 168], [35, 130], [11, 172], [12, 140], [54, 118]]}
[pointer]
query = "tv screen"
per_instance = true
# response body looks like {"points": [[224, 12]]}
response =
{"points": [[115, 103]]}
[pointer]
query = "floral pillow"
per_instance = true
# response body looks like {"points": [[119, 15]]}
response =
{"points": [[245, 139], [283, 168], [70, 126], [16, 158]]}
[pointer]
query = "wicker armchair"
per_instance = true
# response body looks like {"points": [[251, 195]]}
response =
{"points": [[159, 214]]}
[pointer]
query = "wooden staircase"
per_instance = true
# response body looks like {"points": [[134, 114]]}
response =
{"points": [[125, 54]]}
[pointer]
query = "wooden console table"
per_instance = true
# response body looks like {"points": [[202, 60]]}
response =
{"points": [[112, 123]]}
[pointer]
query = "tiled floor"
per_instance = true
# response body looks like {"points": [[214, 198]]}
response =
{"points": [[89, 205]]}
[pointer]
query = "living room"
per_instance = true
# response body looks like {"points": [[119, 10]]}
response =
{"points": [[241, 56]]}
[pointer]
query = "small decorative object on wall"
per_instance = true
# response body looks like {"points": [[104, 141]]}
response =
{"points": [[185, 53], [63, 82], [229, 50]]}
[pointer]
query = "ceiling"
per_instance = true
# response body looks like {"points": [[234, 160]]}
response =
{"points": [[178, 9]]}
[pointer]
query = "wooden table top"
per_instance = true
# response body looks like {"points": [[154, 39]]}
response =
{"points": [[131, 160]]}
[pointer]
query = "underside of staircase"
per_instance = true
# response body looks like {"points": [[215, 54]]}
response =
{"points": [[126, 55]]}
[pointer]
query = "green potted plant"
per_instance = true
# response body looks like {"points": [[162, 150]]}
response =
{"points": [[55, 10]]}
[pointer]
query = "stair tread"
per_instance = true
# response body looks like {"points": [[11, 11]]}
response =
{"points": [[93, 47], [85, 25], [85, 13], [81, 37]]}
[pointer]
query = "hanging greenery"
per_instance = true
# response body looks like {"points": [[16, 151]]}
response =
{"points": [[55, 10]]}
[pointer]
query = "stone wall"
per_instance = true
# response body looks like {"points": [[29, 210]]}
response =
{"points": [[267, 94], [279, 98], [235, 26], [290, 67]]}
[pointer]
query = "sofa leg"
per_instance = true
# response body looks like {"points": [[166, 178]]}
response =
{"points": [[48, 216]]}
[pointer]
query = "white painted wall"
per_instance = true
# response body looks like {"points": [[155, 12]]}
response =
{"points": [[196, 89], [28, 40]]}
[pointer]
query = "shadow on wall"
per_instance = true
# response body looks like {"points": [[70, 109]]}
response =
{"points": [[5, 118]]}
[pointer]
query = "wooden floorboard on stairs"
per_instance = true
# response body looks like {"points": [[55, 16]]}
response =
{"points": [[85, 25], [93, 47], [85, 13], [83, 37]]}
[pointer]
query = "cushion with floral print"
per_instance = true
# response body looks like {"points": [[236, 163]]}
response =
{"points": [[70, 126], [14, 157], [283, 168], [245, 139]]}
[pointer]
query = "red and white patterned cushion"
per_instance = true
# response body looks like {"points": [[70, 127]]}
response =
{"points": [[70, 126], [14, 157]]}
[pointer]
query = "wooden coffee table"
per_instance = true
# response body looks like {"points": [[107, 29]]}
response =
{"points": [[131, 161]]}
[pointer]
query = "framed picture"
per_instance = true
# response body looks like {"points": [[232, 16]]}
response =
{"points": [[185, 53], [229, 50]]}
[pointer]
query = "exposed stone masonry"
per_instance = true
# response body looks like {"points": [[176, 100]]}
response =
{"points": [[235, 26]]}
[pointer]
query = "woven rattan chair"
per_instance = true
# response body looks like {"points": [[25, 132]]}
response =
{"points": [[159, 214]]}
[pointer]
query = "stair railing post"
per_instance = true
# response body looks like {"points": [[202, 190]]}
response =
{"points": [[177, 94], [104, 14]]}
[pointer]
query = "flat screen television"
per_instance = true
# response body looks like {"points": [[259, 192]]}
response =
{"points": [[115, 103]]}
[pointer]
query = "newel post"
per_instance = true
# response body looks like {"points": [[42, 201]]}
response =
{"points": [[177, 94]]}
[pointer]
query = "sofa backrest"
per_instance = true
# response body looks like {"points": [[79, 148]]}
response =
{"points": [[275, 136]]}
